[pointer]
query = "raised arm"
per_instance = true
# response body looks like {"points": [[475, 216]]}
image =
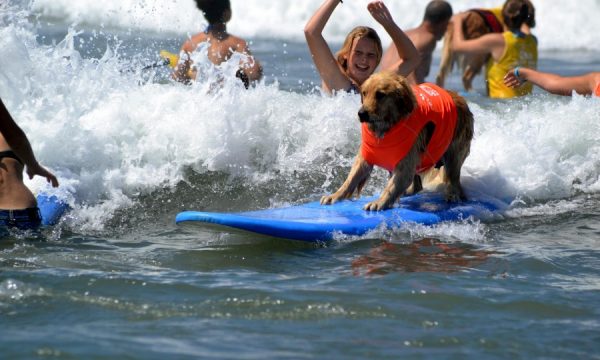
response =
{"points": [[331, 74], [555, 84], [18, 142], [486, 44], [407, 52]]}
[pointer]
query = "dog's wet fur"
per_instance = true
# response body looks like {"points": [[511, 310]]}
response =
{"points": [[387, 98]]}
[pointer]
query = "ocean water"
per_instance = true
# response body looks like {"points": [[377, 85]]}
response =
{"points": [[116, 278]]}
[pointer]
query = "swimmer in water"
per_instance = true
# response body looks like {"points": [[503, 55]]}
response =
{"points": [[221, 45], [424, 37], [18, 206]]}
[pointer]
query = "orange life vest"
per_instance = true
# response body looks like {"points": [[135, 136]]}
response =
{"points": [[597, 92], [434, 105]]}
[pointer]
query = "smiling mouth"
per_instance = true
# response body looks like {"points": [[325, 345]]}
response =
{"points": [[362, 67]]}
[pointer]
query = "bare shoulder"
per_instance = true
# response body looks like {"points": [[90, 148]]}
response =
{"points": [[192, 43], [238, 43], [423, 40]]}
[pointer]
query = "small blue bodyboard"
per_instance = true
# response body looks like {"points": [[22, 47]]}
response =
{"points": [[51, 208], [315, 222]]}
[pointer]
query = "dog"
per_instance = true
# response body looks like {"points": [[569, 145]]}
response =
{"points": [[477, 22], [413, 129]]}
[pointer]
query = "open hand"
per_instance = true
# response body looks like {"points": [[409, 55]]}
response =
{"points": [[37, 169], [380, 12]]}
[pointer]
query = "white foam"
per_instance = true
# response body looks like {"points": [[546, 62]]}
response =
{"points": [[111, 136], [561, 24]]}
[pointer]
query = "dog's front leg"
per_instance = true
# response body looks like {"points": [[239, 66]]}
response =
{"points": [[359, 173], [401, 178]]}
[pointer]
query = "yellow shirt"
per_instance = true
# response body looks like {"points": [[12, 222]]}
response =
{"points": [[498, 13], [518, 51]]}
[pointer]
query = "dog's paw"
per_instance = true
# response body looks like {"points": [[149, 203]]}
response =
{"points": [[329, 199], [455, 196], [376, 206]]}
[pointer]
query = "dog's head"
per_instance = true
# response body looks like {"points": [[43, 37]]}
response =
{"points": [[386, 99]]}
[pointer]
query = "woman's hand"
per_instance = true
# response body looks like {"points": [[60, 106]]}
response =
{"points": [[511, 79], [37, 169], [380, 13]]}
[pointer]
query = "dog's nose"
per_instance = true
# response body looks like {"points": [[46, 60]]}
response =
{"points": [[363, 115]]}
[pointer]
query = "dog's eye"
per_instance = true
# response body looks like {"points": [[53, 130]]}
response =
{"points": [[379, 95]]}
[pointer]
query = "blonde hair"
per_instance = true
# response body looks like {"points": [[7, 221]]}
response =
{"points": [[358, 32]]}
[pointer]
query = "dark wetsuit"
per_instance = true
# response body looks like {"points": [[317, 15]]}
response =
{"points": [[23, 219]]}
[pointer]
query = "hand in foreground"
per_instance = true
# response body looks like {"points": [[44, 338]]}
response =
{"points": [[37, 169], [511, 79]]}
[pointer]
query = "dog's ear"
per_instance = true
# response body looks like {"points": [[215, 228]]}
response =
{"points": [[405, 98]]}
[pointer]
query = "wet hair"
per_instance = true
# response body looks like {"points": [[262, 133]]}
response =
{"points": [[515, 13], [358, 32], [214, 10], [531, 16], [437, 11]]}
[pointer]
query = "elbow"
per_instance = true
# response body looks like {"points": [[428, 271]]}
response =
{"points": [[310, 32]]}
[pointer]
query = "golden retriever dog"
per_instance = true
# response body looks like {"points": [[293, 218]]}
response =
{"points": [[477, 22], [408, 130]]}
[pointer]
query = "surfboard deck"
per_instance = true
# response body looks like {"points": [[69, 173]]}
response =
{"points": [[315, 222]]}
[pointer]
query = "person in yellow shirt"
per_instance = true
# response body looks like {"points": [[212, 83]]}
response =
{"points": [[508, 49], [527, 25]]}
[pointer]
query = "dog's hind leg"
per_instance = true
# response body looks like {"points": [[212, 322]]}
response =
{"points": [[458, 150], [472, 68], [447, 58], [416, 187]]}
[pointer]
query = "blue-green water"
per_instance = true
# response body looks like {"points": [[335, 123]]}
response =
{"points": [[118, 279]]}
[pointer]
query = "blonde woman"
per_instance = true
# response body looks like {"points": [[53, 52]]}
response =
{"points": [[361, 52]]}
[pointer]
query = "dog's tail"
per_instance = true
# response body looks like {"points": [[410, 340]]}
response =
{"points": [[447, 59]]}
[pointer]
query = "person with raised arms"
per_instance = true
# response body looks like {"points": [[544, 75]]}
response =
{"points": [[425, 38], [18, 206], [361, 51], [221, 45], [587, 84]]}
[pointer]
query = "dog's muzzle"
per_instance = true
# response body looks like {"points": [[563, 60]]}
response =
{"points": [[363, 115]]}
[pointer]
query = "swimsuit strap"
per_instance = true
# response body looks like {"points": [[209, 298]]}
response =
{"points": [[10, 154], [353, 89]]}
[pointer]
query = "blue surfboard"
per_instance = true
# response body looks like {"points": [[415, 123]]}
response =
{"points": [[315, 222], [51, 208]]}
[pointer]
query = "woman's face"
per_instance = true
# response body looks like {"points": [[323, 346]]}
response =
{"points": [[362, 59]]}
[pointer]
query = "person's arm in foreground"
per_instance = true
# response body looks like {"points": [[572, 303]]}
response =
{"points": [[18, 142], [555, 84]]}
